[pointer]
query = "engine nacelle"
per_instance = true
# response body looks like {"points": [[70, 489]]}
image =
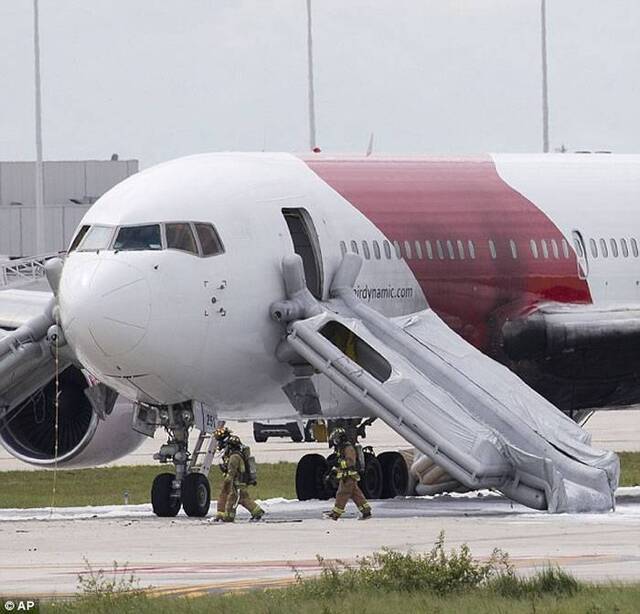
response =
{"points": [[28, 430]]}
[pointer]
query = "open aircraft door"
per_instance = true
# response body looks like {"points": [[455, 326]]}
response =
{"points": [[307, 246], [581, 252]]}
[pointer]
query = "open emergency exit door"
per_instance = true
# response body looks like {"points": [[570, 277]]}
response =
{"points": [[307, 246]]}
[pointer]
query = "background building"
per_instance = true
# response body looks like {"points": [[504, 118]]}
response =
{"points": [[70, 188]]}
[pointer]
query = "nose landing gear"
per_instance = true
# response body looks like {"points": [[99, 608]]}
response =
{"points": [[188, 486]]}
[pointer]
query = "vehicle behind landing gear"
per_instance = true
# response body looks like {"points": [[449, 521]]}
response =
{"points": [[189, 486], [385, 475]]}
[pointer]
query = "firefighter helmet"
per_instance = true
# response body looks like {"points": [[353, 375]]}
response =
{"points": [[338, 437], [222, 434]]}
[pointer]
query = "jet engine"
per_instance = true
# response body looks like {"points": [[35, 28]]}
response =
{"points": [[87, 435]]}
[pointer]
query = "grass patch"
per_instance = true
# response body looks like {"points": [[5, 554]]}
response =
{"points": [[436, 582], [629, 468], [605, 599], [105, 486], [438, 572]]}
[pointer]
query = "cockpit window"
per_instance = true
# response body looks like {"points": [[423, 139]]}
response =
{"points": [[96, 238], [180, 236], [138, 238], [79, 236], [209, 240]]}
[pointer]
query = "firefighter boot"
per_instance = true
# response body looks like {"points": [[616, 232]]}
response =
{"points": [[365, 510], [334, 514], [256, 514]]}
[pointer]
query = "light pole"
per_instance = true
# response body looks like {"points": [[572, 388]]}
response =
{"points": [[312, 109], [545, 91], [38, 106]]}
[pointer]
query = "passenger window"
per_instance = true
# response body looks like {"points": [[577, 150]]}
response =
{"points": [[594, 247], [634, 248], [514, 248], [79, 236], [492, 249], [614, 248], [343, 248], [180, 236], [472, 249], [376, 250], [545, 249], [210, 242], [603, 248], [387, 250], [554, 249], [565, 248], [624, 248], [96, 238], [418, 250], [460, 245], [354, 247], [439, 249], [365, 250], [450, 251], [407, 250], [427, 244], [534, 248], [578, 246], [396, 246]]}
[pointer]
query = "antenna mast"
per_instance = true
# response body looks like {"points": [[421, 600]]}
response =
{"points": [[38, 106], [312, 110], [545, 91]]}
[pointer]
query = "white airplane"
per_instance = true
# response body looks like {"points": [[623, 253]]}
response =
{"points": [[240, 286]]}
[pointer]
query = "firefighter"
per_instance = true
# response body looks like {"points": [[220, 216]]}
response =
{"points": [[346, 471], [234, 485]]}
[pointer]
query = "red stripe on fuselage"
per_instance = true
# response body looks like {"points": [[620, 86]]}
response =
{"points": [[461, 200]]}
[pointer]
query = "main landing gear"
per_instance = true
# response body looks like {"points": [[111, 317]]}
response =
{"points": [[188, 486], [385, 476]]}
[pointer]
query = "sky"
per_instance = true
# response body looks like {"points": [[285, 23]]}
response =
{"points": [[155, 80]]}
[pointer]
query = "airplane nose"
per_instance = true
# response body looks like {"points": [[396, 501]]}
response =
{"points": [[106, 303]]}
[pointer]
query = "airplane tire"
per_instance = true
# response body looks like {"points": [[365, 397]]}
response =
{"points": [[196, 495], [310, 474], [294, 432], [258, 434], [371, 480], [395, 475], [164, 505], [331, 484]]}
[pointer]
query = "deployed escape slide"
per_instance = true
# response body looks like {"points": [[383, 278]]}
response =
{"points": [[470, 415]]}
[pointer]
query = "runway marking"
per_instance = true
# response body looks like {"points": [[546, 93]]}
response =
{"points": [[231, 586]]}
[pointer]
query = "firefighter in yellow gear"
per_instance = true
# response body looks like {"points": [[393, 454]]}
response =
{"points": [[346, 471], [234, 486]]}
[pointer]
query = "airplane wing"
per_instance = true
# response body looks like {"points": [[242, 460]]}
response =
{"points": [[19, 306]]}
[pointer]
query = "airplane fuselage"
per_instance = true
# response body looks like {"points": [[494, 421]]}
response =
{"points": [[482, 241]]}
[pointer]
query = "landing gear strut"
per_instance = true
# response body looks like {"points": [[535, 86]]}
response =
{"points": [[188, 486]]}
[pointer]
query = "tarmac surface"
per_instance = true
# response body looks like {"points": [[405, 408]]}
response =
{"points": [[44, 551]]}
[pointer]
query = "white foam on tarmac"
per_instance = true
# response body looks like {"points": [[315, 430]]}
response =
{"points": [[486, 501]]}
